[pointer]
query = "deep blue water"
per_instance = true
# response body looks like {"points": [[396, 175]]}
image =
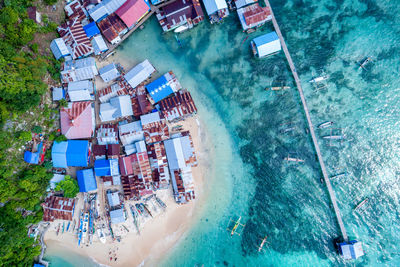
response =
{"points": [[248, 177]]}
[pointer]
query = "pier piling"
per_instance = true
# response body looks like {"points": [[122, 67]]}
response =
{"points": [[310, 125]]}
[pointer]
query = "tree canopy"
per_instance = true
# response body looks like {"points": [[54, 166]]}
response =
{"points": [[69, 186]]}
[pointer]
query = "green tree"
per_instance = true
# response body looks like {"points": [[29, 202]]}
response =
{"points": [[25, 136], [69, 186], [60, 138], [63, 103], [37, 129], [50, 2]]}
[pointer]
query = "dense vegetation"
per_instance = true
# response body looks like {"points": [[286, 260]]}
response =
{"points": [[22, 187], [69, 187]]}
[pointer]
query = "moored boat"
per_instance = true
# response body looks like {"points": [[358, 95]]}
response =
{"points": [[361, 204], [325, 124], [334, 137]]}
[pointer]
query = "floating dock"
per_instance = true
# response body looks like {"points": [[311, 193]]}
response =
{"points": [[310, 125]]}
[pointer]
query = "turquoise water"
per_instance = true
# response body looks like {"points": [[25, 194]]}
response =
{"points": [[60, 257], [248, 177]]}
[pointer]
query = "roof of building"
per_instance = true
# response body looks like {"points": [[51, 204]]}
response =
{"points": [[267, 44], [58, 93], [116, 89], [86, 180], [105, 8], [78, 153], [177, 106], [77, 70], [59, 48], [99, 45], [139, 73], [242, 3], [131, 132], [113, 150], [56, 179], [32, 13], [81, 85], [77, 120], [253, 15], [150, 118], [118, 107], [74, 9], [351, 250], [111, 27], [55, 208], [117, 216], [109, 72], [75, 38], [140, 102], [91, 29], [213, 6], [163, 86], [155, 129], [132, 11], [99, 151], [113, 199], [59, 154], [106, 167], [107, 134], [31, 157], [178, 12]]}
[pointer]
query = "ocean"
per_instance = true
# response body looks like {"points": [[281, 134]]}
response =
{"points": [[253, 129]]}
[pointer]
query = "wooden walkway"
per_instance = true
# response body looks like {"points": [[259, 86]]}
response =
{"points": [[310, 125]]}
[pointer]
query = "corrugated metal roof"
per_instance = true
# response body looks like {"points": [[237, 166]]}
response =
{"points": [[118, 107], [78, 153], [91, 29], [77, 120], [102, 167], [163, 86], [58, 93], [178, 106], [55, 208], [75, 38], [213, 6], [113, 199], [267, 44], [86, 180], [109, 72], [99, 45], [132, 11], [139, 73], [59, 48], [59, 154], [150, 118], [81, 85], [117, 216], [77, 70]]}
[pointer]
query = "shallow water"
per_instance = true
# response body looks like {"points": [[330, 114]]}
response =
{"points": [[285, 201]]}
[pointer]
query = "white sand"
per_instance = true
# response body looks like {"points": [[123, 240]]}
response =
{"points": [[158, 234]]}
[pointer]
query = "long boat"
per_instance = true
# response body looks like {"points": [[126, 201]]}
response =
{"points": [[362, 203], [260, 247], [325, 124], [80, 229], [365, 62], [68, 226], [147, 209], [340, 175], [160, 203], [334, 137], [85, 227], [135, 216], [101, 235], [139, 209], [319, 79]]}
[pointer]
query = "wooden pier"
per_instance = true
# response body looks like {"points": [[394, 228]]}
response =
{"points": [[153, 9], [310, 125]]}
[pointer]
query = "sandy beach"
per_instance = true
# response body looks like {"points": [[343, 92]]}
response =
{"points": [[159, 234]]}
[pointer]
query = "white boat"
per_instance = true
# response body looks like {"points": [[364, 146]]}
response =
{"points": [[325, 124], [101, 235], [85, 227], [334, 137], [319, 79], [181, 28]]}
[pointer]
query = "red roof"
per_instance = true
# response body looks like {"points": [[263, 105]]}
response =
{"points": [[132, 11], [75, 37], [254, 14], [76, 120]]}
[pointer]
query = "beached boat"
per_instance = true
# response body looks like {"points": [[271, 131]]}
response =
{"points": [[146, 208], [80, 229], [361, 204], [63, 228], [68, 226], [139, 209], [58, 228], [101, 235], [334, 137], [325, 124], [160, 202], [135, 216], [85, 227]]}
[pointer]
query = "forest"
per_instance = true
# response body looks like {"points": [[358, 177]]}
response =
{"points": [[22, 74]]}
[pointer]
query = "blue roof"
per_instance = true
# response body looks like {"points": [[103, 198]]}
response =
{"points": [[102, 167], [266, 38], [59, 154], [32, 158], [86, 180], [159, 89], [38, 265], [91, 29], [78, 153]]}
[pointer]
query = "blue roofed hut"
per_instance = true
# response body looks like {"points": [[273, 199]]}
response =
{"points": [[266, 45], [78, 153], [91, 29], [59, 154], [351, 250], [117, 216], [163, 86], [86, 180]]}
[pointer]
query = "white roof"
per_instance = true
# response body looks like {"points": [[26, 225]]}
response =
{"points": [[109, 72], [213, 6], [99, 45], [105, 8], [130, 133], [139, 73], [114, 167], [150, 118], [352, 251], [59, 48], [79, 95], [58, 93], [135, 126], [130, 149], [242, 3], [118, 107], [174, 151], [56, 178], [106, 112], [80, 69], [113, 199], [81, 85], [140, 147]]}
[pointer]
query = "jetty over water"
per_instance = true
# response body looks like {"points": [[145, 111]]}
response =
{"points": [[310, 125]]}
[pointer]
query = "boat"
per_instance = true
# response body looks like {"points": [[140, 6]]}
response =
{"points": [[325, 124], [260, 247], [139, 209], [277, 88], [101, 235], [109, 55], [179, 41], [160, 203], [334, 137], [80, 229], [365, 62], [73, 226], [319, 79], [340, 175], [63, 228], [181, 28], [68, 226], [236, 227], [361, 204], [58, 228], [289, 158], [85, 227], [289, 129], [147, 209], [177, 128], [135, 216]]}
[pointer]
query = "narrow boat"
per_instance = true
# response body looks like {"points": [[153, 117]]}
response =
{"points": [[80, 229], [68, 226], [63, 228], [260, 247], [58, 228], [85, 227], [319, 79], [289, 158], [73, 226], [236, 227], [160, 203], [361, 204], [340, 175], [365, 62], [147, 209], [135, 216], [286, 130], [179, 41], [334, 137], [325, 124], [101, 235], [181, 28], [139, 208], [277, 88]]}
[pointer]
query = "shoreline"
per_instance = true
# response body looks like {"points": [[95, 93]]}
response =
{"points": [[159, 235]]}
